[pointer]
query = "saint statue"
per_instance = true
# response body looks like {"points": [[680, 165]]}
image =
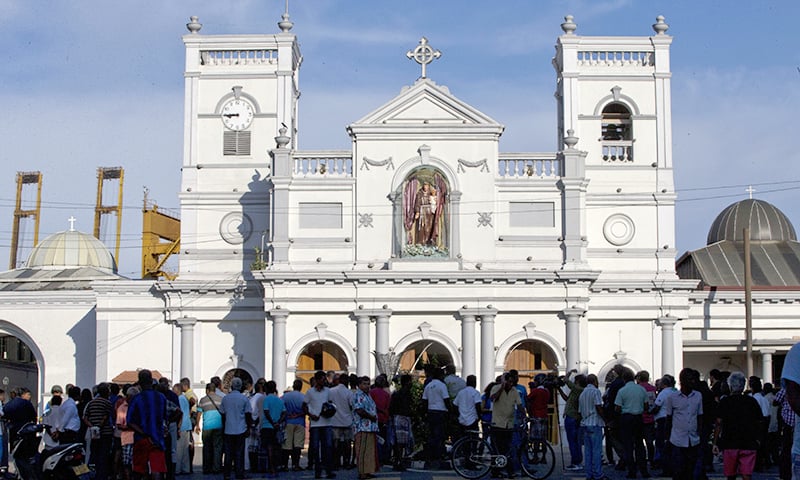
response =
{"points": [[425, 212]]}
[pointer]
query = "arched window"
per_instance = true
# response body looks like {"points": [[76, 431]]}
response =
{"points": [[617, 133]]}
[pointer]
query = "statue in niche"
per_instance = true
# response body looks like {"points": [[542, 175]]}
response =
{"points": [[425, 214]]}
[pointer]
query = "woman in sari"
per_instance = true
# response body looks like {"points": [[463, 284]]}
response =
{"points": [[365, 424]]}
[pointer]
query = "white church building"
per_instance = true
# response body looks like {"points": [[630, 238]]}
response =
{"points": [[424, 242]]}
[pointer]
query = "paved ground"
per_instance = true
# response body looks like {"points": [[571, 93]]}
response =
{"points": [[417, 474]]}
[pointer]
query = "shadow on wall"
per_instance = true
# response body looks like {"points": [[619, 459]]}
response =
{"points": [[83, 334]]}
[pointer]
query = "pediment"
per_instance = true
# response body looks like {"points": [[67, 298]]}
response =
{"points": [[426, 103]]}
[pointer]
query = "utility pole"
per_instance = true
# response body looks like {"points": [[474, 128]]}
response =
{"points": [[748, 303]]}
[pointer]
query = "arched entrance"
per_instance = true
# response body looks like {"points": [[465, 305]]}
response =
{"points": [[247, 379], [421, 353], [320, 355], [530, 357], [18, 365]]}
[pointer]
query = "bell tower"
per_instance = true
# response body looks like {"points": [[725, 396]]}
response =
{"points": [[613, 96], [239, 91]]}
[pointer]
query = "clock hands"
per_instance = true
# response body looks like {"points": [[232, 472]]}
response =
{"points": [[229, 115]]}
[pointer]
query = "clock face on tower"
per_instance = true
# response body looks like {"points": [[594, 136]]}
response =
{"points": [[237, 114]]}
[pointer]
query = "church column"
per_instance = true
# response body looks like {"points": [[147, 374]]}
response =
{"points": [[279, 203], [455, 218], [667, 325], [382, 333], [467, 341], [186, 324], [278, 317], [573, 185], [766, 364], [362, 342], [487, 346], [572, 317]]}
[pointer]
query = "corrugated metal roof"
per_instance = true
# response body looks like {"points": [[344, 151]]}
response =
{"points": [[765, 221], [722, 264], [37, 279]]}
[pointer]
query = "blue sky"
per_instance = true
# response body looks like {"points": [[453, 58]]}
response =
{"points": [[97, 83]]}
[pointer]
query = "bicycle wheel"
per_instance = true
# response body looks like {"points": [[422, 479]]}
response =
{"points": [[472, 457], [538, 459]]}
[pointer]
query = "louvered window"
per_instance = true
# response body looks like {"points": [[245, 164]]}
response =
{"points": [[236, 143]]}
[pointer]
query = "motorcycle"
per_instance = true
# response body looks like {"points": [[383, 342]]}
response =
{"points": [[64, 462]]}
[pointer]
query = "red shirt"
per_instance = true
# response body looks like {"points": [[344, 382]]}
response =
{"points": [[382, 398], [537, 402], [651, 401]]}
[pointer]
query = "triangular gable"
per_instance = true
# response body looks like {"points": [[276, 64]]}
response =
{"points": [[426, 102]]}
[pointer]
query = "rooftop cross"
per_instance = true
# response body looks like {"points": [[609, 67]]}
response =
{"points": [[423, 54], [750, 190], [71, 221]]}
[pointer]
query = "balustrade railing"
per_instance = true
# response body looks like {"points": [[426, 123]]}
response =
{"points": [[332, 165], [521, 167], [238, 57], [617, 151], [616, 59]]}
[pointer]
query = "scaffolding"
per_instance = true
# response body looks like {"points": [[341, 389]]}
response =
{"points": [[23, 179], [161, 237], [104, 175]]}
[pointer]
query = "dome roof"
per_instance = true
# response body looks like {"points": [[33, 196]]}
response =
{"points": [[765, 221], [71, 249]]}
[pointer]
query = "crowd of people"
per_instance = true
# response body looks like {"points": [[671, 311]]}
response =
{"points": [[147, 429]]}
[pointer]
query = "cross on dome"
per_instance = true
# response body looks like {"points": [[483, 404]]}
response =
{"points": [[750, 190], [71, 221], [423, 54]]}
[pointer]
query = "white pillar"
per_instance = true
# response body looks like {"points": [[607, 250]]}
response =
{"points": [[467, 343], [667, 325], [278, 317], [382, 333], [766, 365], [487, 347], [362, 342], [186, 324], [572, 317]]}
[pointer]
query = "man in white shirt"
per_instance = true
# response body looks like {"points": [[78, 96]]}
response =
{"points": [[319, 427], [684, 410], [436, 401], [791, 377], [468, 402], [238, 418], [342, 420], [590, 406], [68, 423]]}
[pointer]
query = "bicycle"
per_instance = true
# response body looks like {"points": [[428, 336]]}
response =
{"points": [[473, 457], [537, 457]]}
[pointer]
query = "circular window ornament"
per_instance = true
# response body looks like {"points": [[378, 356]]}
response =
{"points": [[619, 229], [235, 228]]}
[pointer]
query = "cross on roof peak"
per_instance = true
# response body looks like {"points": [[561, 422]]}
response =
{"points": [[71, 221], [423, 54], [750, 190]]}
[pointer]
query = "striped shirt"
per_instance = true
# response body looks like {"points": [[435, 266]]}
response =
{"points": [[99, 413], [587, 404]]}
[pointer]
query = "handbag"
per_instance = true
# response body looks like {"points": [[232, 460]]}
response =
{"points": [[328, 410]]}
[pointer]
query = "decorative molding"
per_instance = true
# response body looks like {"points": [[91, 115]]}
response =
{"points": [[619, 229], [483, 164], [366, 163], [424, 330], [365, 220], [235, 228], [485, 219], [322, 331]]}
